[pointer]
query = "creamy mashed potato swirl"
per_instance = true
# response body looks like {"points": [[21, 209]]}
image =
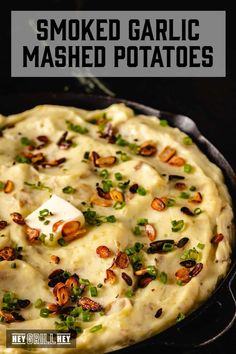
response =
{"points": [[155, 236]]}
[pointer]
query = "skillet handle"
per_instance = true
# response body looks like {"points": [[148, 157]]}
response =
{"points": [[206, 325]]}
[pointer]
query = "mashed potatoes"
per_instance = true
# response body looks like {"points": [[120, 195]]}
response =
{"points": [[150, 242]]}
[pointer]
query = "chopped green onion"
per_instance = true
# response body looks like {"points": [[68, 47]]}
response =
{"points": [[8, 297], [102, 313], [76, 128], [22, 159], [167, 247], [84, 281], [39, 303], [137, 231], [197, 211], [106, 185], [191, 254], [177, 225], [44, 213], [86, 155], [76, 312], [170, 202], [141, 191], [77, 291], [118, 176], [104, 173], [46, 222], [119, 205], [13, 265], [120, 141], [134, 148], [61, 242], [95, 328], [188, 168], [25, 141], [2, 185], [68, 190], [151, 270], [201, 246], [42, 237], [180, 317], [51, 237], [142, 221], [70, 320], [138, 246], [164, 123], [192, 188], [179, 282], [124, 157], [86, 315], [130, 293], [123, 185], [130, 251], [44, 312], [163, 277], [111, 218], [187, 140], [93, 291], [100, 285], [184, 195], [38, 186]]}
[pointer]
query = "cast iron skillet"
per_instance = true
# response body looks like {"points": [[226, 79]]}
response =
{"points": [[218, 314]]}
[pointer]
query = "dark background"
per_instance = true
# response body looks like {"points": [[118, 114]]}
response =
{"points": [[210, 102]]}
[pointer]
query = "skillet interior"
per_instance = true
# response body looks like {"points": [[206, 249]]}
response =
{"points": [[191, 332]]}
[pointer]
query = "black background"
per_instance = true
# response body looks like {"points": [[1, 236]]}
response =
{"points": [[210, 102]]}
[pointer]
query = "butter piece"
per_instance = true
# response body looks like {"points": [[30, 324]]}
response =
{"points": [[57, 209]]}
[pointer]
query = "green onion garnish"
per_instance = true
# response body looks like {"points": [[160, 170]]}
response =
{"points": [[61, 242], [111, 218], [197, 211], [25, 141], [141, 191], [86, 155], [137, 231], [163, 277], [22, 159], [170, 202], [188, 168], [129, 293], [180, 317], [142, 221], [93, 291], [200, 245], [95, 328], [151, 270], [119, 205], [164, 123], [192, 188], [68, 190], [84, 281], [177, 225], [104, 173], [184, 195], [187, 140], [76, 128], [39, 303], [118, 176], [106, 185], [167, 247], [44, 312]]}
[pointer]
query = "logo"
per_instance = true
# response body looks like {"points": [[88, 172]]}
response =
{"points": [[39, 339]]}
